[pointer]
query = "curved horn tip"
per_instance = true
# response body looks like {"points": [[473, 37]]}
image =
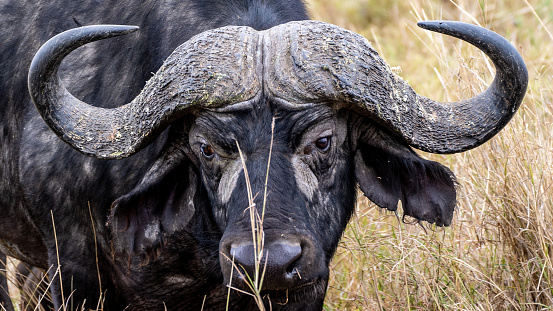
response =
{"points": [[126, 29], [120, 29], [449, 27], [63, 43], [463, 31], [430, 25], [109, 30]]}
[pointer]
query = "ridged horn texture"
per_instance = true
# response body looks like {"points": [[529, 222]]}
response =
{"points": [[305, 62], [212, 69], [329, 63]]}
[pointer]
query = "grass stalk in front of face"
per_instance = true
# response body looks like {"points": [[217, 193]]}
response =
{"points": [[255, 282]]}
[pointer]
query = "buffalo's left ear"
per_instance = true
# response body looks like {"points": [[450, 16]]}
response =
{"points": [[160, 205], [388, 171]]}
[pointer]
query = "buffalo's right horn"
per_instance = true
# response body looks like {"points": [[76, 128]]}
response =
{"points": [[329, 64], [211, 69]]}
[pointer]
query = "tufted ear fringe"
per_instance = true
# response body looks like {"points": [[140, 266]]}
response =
{"points": [[389, 172]]}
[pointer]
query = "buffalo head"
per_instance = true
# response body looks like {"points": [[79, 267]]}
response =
{"points": [[270, 134]]}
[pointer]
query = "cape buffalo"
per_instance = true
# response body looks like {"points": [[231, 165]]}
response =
{"points": [[236, 163]]}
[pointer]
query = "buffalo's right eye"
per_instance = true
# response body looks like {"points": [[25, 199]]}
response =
{"points": [[207, 151]]}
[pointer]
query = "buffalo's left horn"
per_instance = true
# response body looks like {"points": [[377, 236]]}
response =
{"points": [[210, 69], [329, 64]]}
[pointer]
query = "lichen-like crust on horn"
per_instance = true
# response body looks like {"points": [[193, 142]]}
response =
{"points": [[328, 63], [212, 69], [305, 62]]}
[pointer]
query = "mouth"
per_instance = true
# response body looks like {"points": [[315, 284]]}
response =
{"points": [[243, 281], [305, 293], [304, 285]]}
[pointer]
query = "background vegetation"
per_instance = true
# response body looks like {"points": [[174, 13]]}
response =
{"points": [[497, 254]]}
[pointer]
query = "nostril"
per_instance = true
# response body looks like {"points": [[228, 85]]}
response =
{"points": [[291, 269], [286, 255]]}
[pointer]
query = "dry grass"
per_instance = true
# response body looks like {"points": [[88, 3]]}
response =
{"points": [[497, 253]]}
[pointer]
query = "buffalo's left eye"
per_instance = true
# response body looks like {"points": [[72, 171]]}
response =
{"points": [[323, 143]]}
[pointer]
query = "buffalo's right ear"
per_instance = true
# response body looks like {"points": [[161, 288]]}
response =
{"points": [[388, 171], [161, 204]]}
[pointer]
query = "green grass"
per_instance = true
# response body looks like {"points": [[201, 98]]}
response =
{"points": [[497, 254]]}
